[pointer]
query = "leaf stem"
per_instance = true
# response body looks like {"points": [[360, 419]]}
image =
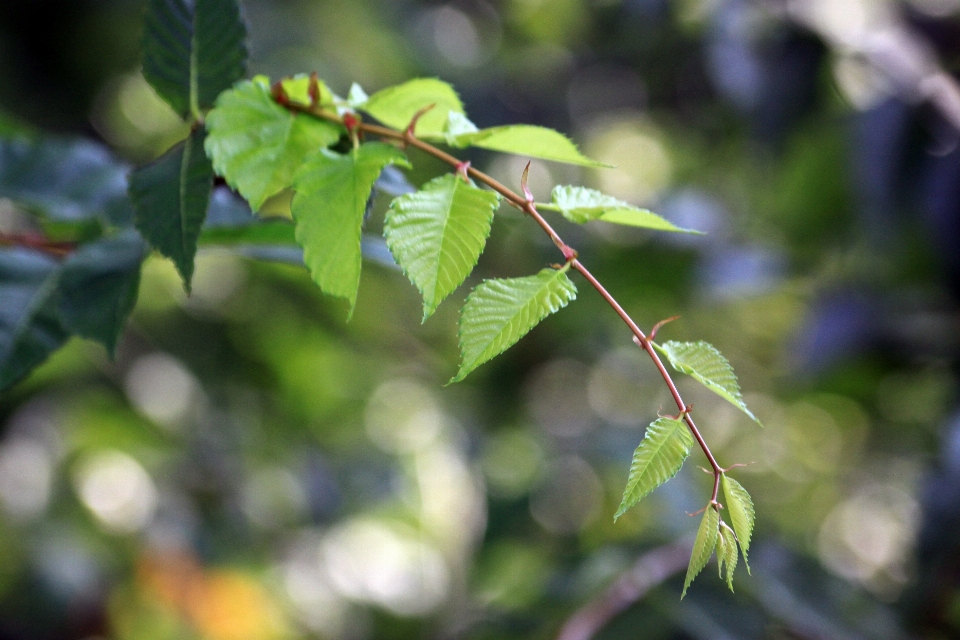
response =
{"points": [[570, 255]]}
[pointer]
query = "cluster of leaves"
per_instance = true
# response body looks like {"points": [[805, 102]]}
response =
{"points": [[298, 135]]}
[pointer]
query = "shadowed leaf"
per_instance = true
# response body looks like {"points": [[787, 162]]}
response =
{"points": [[170, 198]]}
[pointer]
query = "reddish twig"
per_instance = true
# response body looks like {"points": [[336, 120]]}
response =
{"points": [[527, 205], [38, 243], [649, 571]]}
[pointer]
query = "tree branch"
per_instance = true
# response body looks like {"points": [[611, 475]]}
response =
{"points": [[649, 571]]}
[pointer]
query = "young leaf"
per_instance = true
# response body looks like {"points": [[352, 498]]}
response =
{"points": [[580, 204], [193, 50], [328, 207], [703, 546], [357, 97], [528, 140], [170, 198], [395, 106], [661, 453], [741, 513], [727, 552], [459, 130], [498, 313], [437, 234], [257, 145], [29, 327], [702, 361], [99, 286], [297, 89]]}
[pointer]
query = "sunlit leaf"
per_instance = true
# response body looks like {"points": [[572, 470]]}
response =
{"points": [[459, 130], [498, 313], [741, 511], [328, 207], [727, 553], [193, 50], [170, 198], [64, 181], [661, 453], [98, 287], [580, 204], [437, 234], [297, 89], [525, 140], [704, 363], [395, 106], [703, 546], [257, 145], [357, 97], [30, 328]]}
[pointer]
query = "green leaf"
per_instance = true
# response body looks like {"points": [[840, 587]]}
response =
{"points": [[257, 145], [459, 130], [741, 511], [193, 50], [498, 313], [703, 546], [437, 234], [297, 89], [702, 361], [395, 106], [60, 180], [580, 204], [328, 208], [99, 286], [727, 552], [528, 140], [661, 453], [30, 329], [170, 198]]}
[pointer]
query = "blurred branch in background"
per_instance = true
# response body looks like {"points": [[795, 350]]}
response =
{"points": [[650, 570]]}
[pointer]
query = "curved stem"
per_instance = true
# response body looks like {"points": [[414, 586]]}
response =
{"points": [[408, 139]]}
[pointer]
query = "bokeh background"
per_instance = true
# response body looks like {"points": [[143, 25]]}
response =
{"points": [[252, 466]]}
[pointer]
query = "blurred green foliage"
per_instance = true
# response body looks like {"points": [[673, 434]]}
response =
{"points": [[252, 466]]}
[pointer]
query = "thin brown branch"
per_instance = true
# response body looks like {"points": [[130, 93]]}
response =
{"points": [[37, 242], [570, 255], [649, 571]]}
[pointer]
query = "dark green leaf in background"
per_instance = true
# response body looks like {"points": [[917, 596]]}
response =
{"points": [[30, 329], [331, 197], [170, 198], [60, 180], [193, 50], [98, 287], [257, 145]]}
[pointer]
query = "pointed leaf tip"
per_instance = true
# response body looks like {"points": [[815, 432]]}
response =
{"points": [[328, 207], [704, 363], [170, 198], [498, 313], [665, 446], [437, 234], [742, 514], [703, 546]]}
